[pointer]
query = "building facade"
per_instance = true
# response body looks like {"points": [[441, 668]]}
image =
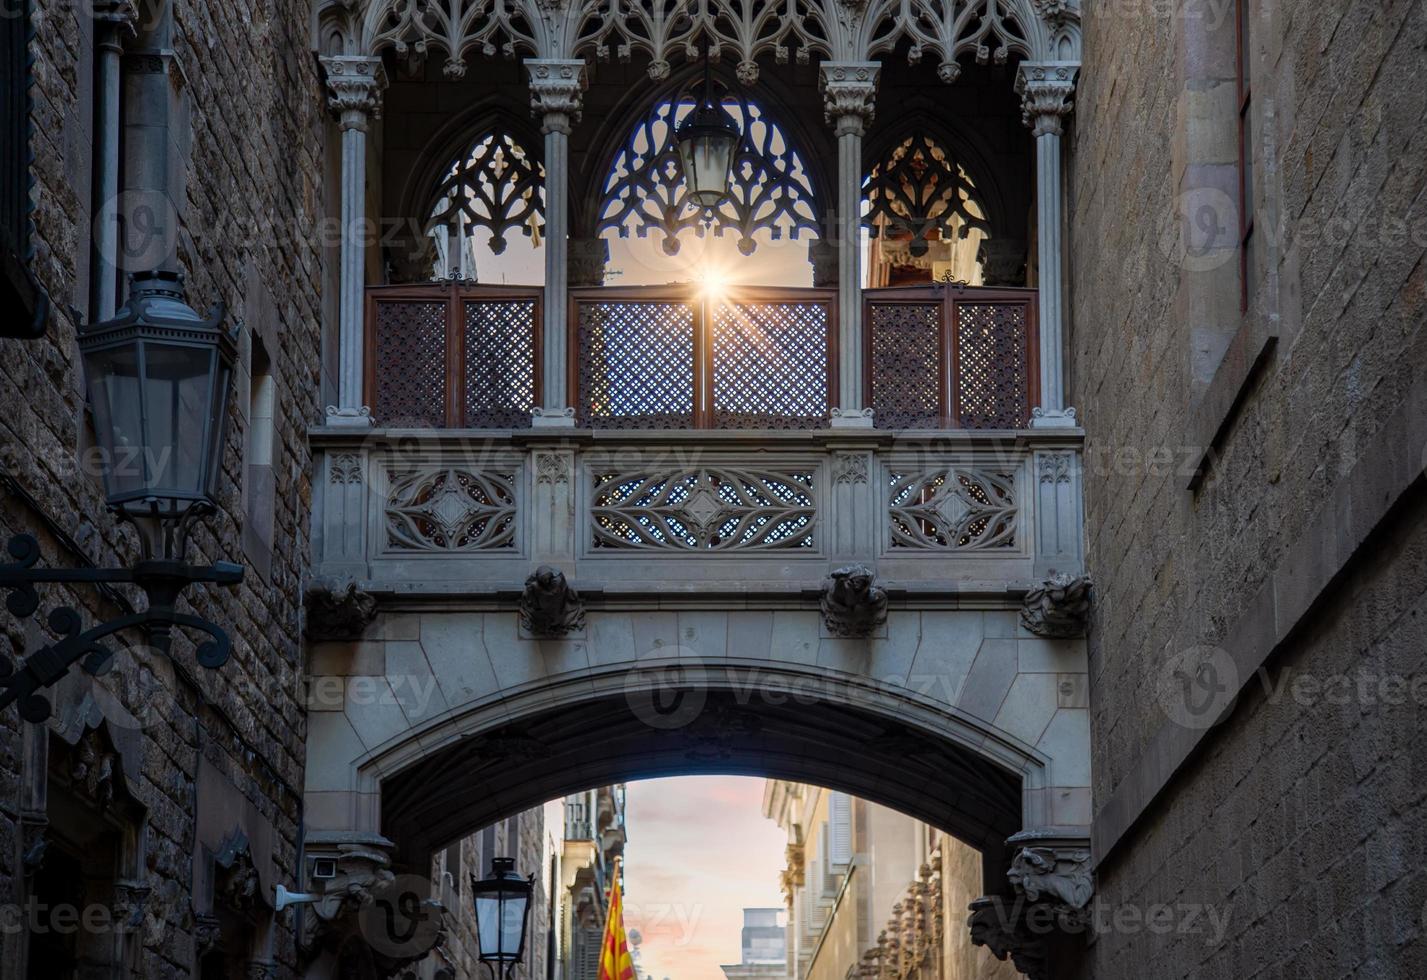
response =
{"points": [[543, 476], [874, 894], [764, 947]]}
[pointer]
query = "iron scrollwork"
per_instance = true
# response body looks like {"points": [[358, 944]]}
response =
{"points": [[162, 579]]}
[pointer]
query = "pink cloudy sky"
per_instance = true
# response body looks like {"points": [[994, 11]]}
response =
{"points": [[699, 851]]}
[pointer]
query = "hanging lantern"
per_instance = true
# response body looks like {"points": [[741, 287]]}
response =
{"points": [[707, 140], [159, 377]]}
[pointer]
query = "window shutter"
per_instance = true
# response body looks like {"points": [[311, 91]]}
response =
{"points": [[840, 820]]}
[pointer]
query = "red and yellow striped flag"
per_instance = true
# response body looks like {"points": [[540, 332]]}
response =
{"points": [[615, 961]]}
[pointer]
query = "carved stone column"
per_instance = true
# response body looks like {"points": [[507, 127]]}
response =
{"points": [[556, 91], [849, 96], [354, 87], [1045, 89]]}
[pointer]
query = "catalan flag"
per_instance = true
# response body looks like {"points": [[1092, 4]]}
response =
{"points": [[615, 961]]}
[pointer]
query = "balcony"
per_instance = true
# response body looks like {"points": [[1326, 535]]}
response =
{"points": [[701, 457], [457, 356]]}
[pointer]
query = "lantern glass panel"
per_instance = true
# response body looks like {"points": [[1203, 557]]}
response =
{"points": [[706, 158], [114, 393], [500, 921], [178, 401]]}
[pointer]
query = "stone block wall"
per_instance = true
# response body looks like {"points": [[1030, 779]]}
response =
{"points": [[1278, 841], [244, 168]]}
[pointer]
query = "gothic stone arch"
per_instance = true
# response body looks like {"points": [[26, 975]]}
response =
{"points": [[441, 719]]}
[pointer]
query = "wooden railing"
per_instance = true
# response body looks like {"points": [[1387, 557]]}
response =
{"points": [[453, 355], [680, 357], [949, 357], [446, 355]]}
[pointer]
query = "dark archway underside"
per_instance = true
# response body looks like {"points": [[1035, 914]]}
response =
{"points": [[482, 779]]}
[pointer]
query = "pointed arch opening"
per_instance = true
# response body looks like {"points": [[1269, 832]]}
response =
{"points": [[759, 234]]}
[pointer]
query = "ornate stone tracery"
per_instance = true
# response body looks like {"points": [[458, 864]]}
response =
{"points": [[918, 189], [496, 184], [771, 194], [743, 31]]}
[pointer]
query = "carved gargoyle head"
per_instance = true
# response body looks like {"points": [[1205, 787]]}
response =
{"points": [[852, 584], [547, 581], [549, 606], [852, 603], [1062, 877]]}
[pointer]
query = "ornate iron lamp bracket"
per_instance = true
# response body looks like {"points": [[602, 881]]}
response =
{"points": [[162, 579]]}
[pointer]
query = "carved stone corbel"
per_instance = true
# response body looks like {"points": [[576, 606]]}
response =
{"points": [[360, 865], [338, 611], [1058, 607], [1052, 870], [207, 935], [130, 904], [236, 885], [550, 606], [852, 604], [849, 93], [998, 925], [354, 89]]}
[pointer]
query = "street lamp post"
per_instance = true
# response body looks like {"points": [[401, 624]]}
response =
{"points": [[502, 905], [159, 377]]}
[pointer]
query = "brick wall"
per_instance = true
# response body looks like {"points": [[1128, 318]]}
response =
{"points": [[248, 154], [1294, 820]]}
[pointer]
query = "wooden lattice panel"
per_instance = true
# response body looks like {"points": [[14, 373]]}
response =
{"points": [[636, 364], [906, 364], [991, 381], [770, 365], [410, 351], [500, 365]]}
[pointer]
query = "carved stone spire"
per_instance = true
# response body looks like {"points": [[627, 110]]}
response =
{"points": [[849, 94], [1045, 88], [354, 89], [557, 89]]}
